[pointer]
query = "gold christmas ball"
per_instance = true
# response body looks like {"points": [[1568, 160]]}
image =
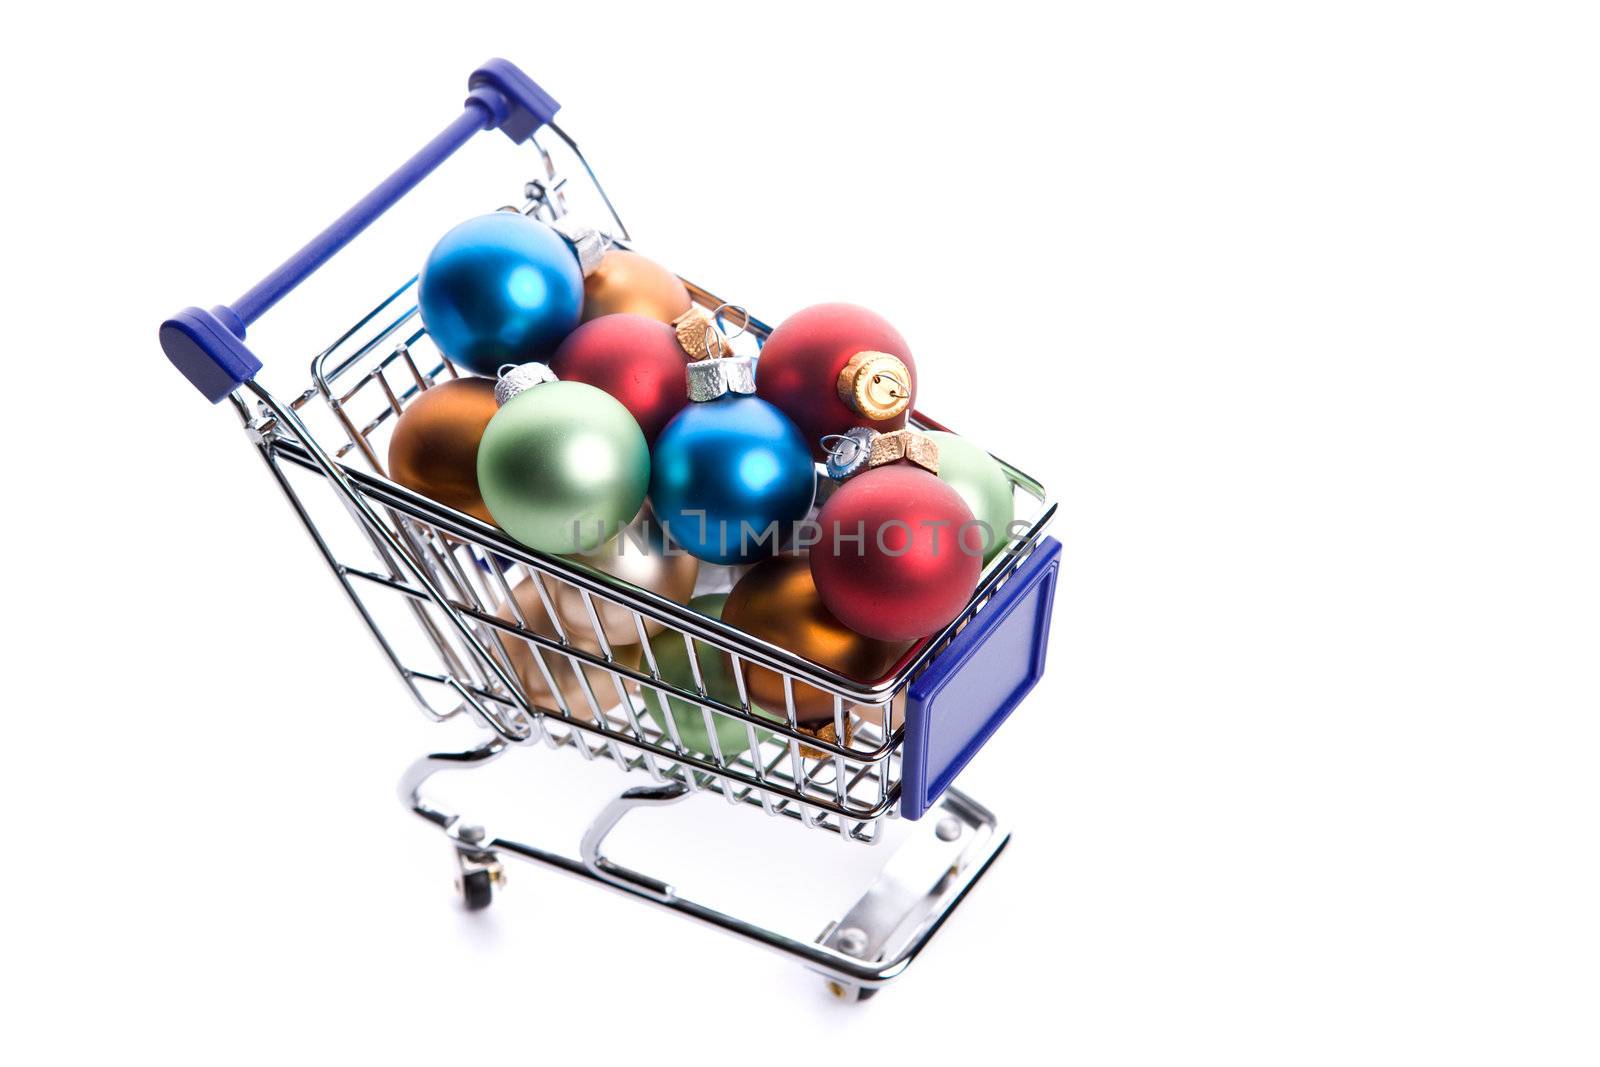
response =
{"points": [[638, 554], [777, 601], [626, 282], [434, 448], [561, 668]]}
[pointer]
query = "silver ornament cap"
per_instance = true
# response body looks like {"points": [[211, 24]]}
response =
{"points": [[515, 380], [588, 243], [711, 378], [848, 452]]}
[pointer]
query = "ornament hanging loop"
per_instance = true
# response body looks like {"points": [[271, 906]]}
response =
{"points": [[838, 444], [848, 452], [898, 392], [699, 335], [700, 332], [718, 313], [716, 345]]}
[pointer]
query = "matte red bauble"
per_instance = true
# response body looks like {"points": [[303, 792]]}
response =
{"points": [[913, 569], [834, 366], [635, 359]]}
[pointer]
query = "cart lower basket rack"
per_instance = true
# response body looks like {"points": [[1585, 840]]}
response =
{"points": [[434, 586]]}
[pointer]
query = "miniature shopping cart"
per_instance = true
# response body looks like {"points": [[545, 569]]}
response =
{"points": [[434, 586]]}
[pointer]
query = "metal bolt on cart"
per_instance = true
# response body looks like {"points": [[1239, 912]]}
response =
{"points": [[434, 586]]}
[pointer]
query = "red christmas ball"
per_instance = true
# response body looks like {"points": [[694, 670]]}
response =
{"points": [[635, 359], [915, 563], [802, 364]]}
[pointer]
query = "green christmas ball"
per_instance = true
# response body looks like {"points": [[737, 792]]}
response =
{"points": [[672, 659], [977, 476], [562, 466]]}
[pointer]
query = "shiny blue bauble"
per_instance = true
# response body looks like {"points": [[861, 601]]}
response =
{"points": [[742, 463], [500, 289]]}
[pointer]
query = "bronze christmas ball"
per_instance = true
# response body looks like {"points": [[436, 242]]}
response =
{"points": [[526, 666], [434, 448], [626, 282], [641, 555], [777, 601]]}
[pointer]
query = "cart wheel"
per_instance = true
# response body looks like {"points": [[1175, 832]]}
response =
{"points": [[853, 993], [477, 889]]}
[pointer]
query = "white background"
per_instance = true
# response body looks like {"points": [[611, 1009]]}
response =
{"points": [[1292, 306]]}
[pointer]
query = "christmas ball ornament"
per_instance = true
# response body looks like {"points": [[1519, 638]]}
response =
{"points": [[873, 713], [834, 366], [642, 556], [626, 282], [777, 601], [730, 475], [434, 448], [983, 485], [498, 289], [716, 672], [562, 466], [899, 553], [534, 683], [635, 359]]}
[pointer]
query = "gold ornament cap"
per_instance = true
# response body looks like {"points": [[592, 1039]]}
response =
{"points": [[698, 335], [861, 448], [826, 732], [875, 385], [515, 380]]}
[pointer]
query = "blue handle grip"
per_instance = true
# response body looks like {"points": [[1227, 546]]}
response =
{"points": [[971, 687], [208, 346]]}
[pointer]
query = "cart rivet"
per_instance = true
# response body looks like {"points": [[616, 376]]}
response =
{"points": [[851, 941], [947, 830], [472, 834]]}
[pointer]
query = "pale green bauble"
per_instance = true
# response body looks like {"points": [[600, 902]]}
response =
{"points": [[562, 466], [983, 486], [672, 659]]}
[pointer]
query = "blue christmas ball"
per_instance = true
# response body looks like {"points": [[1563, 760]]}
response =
{"points": [[724, 471], [500, 289]]}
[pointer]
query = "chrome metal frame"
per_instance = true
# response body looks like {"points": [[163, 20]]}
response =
{"points": [[442, 580], [872, 943]]}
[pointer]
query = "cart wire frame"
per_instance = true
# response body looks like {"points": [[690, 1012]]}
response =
{"points": [[435, 588]]}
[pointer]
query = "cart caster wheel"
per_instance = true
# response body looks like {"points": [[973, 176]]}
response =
{"points": [[477, 889]]}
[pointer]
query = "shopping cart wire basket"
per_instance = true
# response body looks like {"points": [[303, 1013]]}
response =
{"points": [[435, 588]]}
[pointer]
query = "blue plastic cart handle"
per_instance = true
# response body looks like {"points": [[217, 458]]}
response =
{"points": [[971, 687], [208, 346]]}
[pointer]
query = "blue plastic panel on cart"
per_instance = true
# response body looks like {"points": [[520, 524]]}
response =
{"points": [[962, 698]]}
